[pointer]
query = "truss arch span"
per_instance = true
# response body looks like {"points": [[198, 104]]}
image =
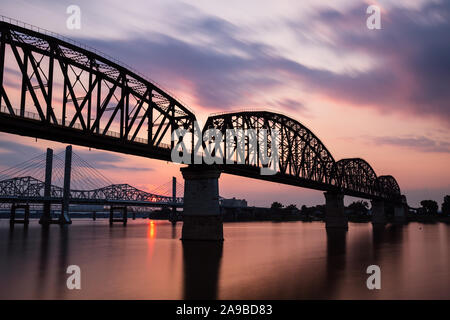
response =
{"points": [[301, 153], [74, 94], [356, 175]]}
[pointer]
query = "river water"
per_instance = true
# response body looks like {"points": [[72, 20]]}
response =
{"points": [[258, 260]]}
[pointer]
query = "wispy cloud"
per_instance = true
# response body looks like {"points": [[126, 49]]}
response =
{"points": [[409, 74], [419, 143], [411, 69]]}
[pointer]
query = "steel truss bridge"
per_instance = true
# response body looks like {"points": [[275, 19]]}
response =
{"points": [[31, 190], [54, 89], [304, 160]]}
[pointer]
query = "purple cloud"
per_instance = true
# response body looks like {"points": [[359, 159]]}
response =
{"points": [[419, 143], [412, 53], [412, 72]]}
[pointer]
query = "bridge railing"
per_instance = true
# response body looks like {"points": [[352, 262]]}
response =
{"points": [[214, 114]]}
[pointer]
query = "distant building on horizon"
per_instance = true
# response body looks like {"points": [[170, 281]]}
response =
{"points": [[234, 203]]}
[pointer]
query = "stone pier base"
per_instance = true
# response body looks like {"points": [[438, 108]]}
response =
{"points": [[201, 212], [378, 213], [334, 211], [46, 217], [400, 214]]}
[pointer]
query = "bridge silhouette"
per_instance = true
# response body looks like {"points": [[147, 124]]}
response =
{"points": [[42, 180], [23, 187], [73, 94]]}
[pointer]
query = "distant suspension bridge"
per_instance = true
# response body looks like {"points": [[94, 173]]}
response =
{"points": [[26, 183]]}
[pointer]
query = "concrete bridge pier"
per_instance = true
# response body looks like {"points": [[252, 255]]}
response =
{"points": [[64, 218], [334, 211], [378, 213], [122, 210], [46, 217], [26, 216], [400, 211], [201, 215]]}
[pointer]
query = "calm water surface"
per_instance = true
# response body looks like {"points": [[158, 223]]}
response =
{"points": [[260, 260]]}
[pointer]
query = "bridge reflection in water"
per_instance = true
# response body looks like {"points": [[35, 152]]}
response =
{"points": [[201, 267], [293, 260]]}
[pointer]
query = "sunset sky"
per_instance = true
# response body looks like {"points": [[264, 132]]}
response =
{"points": [[381, 95]]}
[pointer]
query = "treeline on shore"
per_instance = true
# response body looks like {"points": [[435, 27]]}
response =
{"points": [[358, 211]]}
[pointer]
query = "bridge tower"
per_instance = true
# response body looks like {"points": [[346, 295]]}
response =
{"points": [[64, 218], [201, 212], [46, 218], [173, 213]]}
